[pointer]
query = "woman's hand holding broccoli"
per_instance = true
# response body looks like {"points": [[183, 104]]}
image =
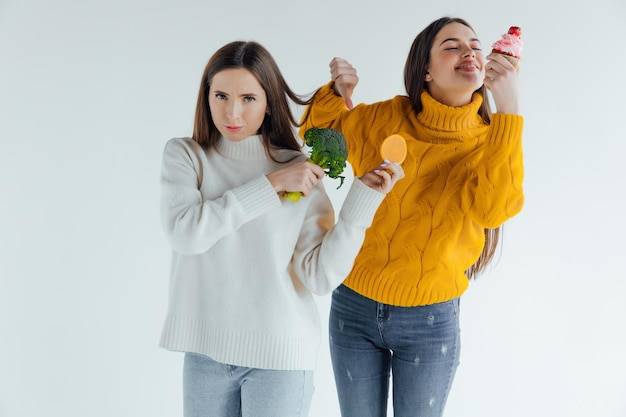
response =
{"points": [[300, 178], [328, 151]]}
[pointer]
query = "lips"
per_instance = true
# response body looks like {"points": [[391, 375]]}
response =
{"points": [[467, 66], [233, 129]]}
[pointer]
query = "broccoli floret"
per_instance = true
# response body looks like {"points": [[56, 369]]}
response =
{"points": [[328, 150]]}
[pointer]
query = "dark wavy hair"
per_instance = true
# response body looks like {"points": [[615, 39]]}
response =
{"points": [[415, 70], [277, 128]]}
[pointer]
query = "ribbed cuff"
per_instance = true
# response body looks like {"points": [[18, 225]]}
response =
{"points": [[327, 99], [505, 128], [257, 197]]}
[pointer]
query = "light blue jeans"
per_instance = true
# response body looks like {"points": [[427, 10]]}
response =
{"points": [[214, 389], [418, 346]]}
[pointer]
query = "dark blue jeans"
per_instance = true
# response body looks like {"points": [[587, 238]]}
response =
{"points": [[418, 346]]}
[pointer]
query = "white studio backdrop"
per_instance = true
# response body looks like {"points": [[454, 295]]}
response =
{"points": [[90, 91]]}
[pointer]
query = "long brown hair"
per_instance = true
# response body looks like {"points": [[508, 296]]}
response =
{"points": [[277, 127], [415, 70]]}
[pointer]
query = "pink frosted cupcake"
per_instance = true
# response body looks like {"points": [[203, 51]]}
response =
{"points": [[510, 46]]}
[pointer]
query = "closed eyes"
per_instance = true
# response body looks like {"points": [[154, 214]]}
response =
{"points": [[454, 48]]}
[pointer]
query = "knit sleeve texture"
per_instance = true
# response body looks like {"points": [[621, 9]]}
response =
{"points": [[497, 195], [192, 225]]}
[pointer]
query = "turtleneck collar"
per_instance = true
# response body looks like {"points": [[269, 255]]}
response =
{"points": [[443, 118], [251, 148]]}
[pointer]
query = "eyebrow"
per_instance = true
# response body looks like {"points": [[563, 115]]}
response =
{"points": [[458, 40], [241, 95]]}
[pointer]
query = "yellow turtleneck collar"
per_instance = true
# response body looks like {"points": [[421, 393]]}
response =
{"points": [[443, 118]]}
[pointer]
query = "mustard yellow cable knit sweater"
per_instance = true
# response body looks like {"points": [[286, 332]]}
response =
{"points": [[462, 176]]}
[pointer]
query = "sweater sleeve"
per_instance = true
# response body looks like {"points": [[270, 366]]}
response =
{"points": [[322, 266], [192, 224], [329, 110], [325, 110], [499, 193]]}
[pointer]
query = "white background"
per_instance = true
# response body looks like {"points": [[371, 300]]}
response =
{"points": [[90, 91]]}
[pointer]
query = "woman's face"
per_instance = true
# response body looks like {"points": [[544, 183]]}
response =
{"points": [[238, 103], [457, 65]]}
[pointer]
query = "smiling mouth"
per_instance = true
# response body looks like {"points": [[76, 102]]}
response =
{"points": [[467, 67]]}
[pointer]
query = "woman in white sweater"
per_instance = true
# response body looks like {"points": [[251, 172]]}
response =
{"points": [[245, 262]]}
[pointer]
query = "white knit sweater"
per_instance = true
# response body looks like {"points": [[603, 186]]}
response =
{"points": [[245, 262]]}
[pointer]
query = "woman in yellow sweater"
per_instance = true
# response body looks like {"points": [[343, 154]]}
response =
{"points": [[398, 310]]}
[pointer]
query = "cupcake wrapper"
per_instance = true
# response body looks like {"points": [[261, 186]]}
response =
{"points": [[511, 59]]}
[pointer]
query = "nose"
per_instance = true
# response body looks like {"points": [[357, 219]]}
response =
{"points": [[468, 51], [234, 110]]}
